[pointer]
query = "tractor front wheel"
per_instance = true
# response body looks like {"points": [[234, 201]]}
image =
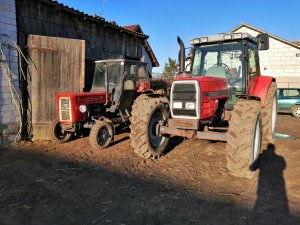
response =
{"points": [[147, 112], [58, 135], [244, 138], [101, 134]]}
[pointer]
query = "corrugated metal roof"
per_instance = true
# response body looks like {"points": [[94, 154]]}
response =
{"points": [[95, 18]]}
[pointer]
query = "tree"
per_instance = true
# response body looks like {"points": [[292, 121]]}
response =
{"points": [[170, 70]]}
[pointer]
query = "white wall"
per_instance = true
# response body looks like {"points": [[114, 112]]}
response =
{"points": [[9, 116], [280, 60], [147, 60]]}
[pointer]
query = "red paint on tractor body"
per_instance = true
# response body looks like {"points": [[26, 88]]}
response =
{"points": [[211, 90], [259, 87], [77, 99]]}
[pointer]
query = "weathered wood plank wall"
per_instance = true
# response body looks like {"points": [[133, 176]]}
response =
{"points": [[57, 66]]}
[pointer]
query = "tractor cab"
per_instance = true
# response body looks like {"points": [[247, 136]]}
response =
{"points": [[233, 56], [121, 80]]}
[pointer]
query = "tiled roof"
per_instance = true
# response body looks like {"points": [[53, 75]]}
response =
{"points": [[95, 18], [296, 42], [137, 28]]}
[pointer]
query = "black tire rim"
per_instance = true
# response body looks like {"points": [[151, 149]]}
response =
{"points": [[154, 139], [103, 136]]}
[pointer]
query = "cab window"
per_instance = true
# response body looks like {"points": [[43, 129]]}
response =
{"points": [[252, 66]]}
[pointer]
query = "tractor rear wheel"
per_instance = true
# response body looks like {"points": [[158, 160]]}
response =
{"points": [[146, 113], [269, 114], [244, 138], [58, 135], [101, 135]]}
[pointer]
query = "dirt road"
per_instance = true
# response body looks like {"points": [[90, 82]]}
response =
{"points": [[43, 183]]}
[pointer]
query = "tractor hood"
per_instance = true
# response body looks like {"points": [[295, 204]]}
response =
{"points": [[85, 98], [68, 104], [210, 86]]}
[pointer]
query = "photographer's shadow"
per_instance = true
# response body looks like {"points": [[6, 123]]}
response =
{"points": [[271, 205]]}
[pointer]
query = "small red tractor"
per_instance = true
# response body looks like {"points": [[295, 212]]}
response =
{"points": [[222, 98], [116, 84]]}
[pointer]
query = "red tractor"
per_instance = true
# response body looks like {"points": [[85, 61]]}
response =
{"points": [[222, 98], [116, 84]]}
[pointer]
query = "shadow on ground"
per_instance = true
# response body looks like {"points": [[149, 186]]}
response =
{"points": [[39, 189]]}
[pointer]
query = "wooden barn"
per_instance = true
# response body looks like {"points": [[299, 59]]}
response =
{"points": [[61, 44]]}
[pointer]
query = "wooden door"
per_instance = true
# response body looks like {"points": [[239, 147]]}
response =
{"points": [[57, 65]]}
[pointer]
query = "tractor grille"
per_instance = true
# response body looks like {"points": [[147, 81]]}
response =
{"points": [[183, 94], [65, 109]]}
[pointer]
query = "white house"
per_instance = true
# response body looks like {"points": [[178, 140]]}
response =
{"points": [[281, 61]]}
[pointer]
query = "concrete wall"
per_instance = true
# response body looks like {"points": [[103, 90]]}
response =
{"points": [[9, 116], [280, 60]]}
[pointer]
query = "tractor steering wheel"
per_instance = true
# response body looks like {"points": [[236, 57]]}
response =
{"points": [[226, 67]]}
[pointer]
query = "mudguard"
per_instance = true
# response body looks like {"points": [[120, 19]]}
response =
{"points": [[259, 87]]}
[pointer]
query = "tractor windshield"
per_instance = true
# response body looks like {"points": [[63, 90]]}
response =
{"points": [[114, 72], [218, 60]]}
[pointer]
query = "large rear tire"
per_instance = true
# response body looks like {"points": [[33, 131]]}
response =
{"points": [[57, 135], [101, 135], [244, 138], [146, 113], [269, 115]]}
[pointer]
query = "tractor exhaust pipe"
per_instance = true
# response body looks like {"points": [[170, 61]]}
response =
{"points": [[181, 55], [181, 60]]}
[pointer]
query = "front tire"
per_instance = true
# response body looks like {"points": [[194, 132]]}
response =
{"points": [[57, 134], [244, 138], [101, 135], [147, 112]]}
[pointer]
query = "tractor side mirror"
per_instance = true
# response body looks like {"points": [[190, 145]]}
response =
{"points": [[262, 41]]}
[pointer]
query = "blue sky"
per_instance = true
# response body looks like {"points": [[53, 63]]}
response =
{"points": [[164, 20]]}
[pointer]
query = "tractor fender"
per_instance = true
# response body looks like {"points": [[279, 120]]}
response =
{"points": [[259, 87]]}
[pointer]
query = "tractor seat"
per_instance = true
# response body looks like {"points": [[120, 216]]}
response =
{"points": [[216, 71]]}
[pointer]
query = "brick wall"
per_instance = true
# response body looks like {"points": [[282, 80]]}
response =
{"points": [[9, 116], [280, 60]]}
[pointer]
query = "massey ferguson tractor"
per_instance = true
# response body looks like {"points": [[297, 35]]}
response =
{"points": [[222, 98], [116, 84]]}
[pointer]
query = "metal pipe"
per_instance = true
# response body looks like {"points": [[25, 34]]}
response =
{"points": [[181, 55], [190, 134]]}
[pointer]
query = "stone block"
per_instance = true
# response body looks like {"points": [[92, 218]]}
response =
{"points": [[11, 28], [11, 15], [8, 113], [4, 20]]}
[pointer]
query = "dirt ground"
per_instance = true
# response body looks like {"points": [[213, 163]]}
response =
{"points": [[44, 183]]}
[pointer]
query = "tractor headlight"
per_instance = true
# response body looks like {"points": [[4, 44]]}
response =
{"points": [[82, 108], [190, 105], [177, 105]]}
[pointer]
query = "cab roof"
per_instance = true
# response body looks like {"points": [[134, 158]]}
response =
{"points": [[221, 38]]}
